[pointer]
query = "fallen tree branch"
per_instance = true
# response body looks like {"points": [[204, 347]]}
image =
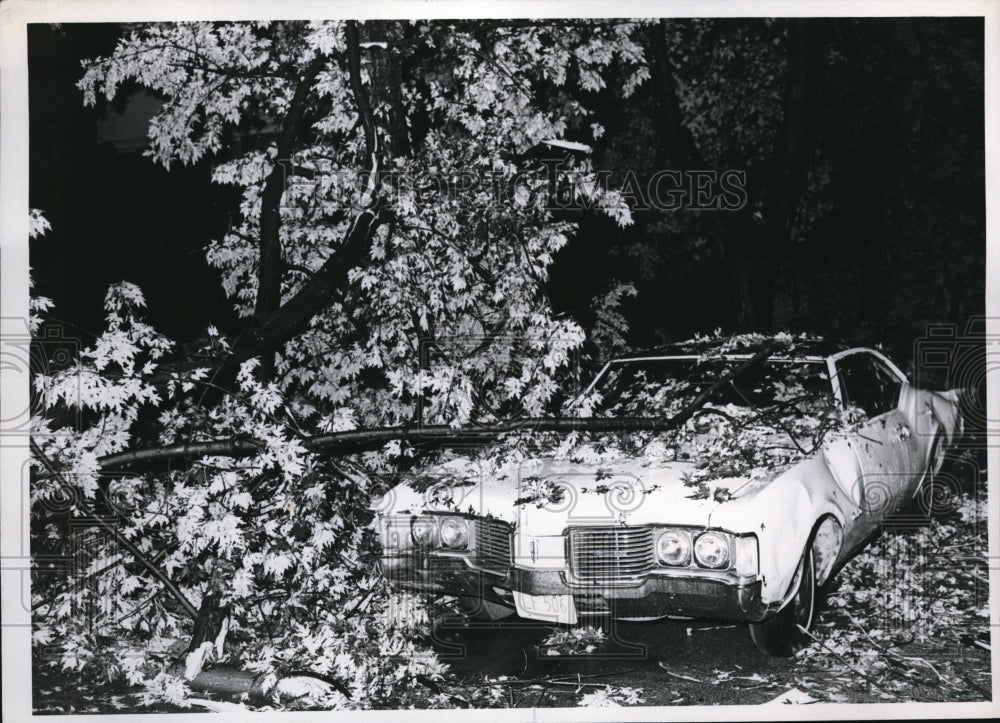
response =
{"points": [[224, 680], [868, 678], [122, 541], [222, 447], [358, 440], [678, 675], [557, 679], [907, 658]]}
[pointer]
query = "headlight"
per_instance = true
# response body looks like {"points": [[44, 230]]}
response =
{"points": [[424, 531], [455, 533], [673, 547], [711, 549]]}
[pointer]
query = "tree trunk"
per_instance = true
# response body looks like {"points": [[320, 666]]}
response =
{"points": [[751, 252], [275, 323], [790, 166]]}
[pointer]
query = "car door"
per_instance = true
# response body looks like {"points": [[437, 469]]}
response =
{"points": [[887, 449]]}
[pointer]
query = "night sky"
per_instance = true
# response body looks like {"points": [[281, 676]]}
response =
{"points": [[913, 141], [115, 215]]}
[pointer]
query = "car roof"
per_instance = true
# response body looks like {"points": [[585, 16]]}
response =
{"points": [[781, 358], [787, 348]]}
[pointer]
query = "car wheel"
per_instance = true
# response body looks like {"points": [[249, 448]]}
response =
{"points": [[779, 635]]}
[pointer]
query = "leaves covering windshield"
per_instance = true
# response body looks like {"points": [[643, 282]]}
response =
{"points": [[663, 387], [766, 418]]}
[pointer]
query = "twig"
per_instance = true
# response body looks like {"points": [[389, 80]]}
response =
{"points": [[123, 541], [754, 687], [714, 627], [559, 679], [361, 605], [572, 684], [868, 678], [904, 657], [541, 695], [972, 684], [678, 675], [141, 605]]}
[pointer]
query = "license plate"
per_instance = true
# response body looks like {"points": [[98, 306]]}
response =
{"points": [[551, 608]]}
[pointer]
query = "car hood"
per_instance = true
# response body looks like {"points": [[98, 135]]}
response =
{"points": [[544, 496]]}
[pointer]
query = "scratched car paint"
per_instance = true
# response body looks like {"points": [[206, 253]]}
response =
{"points": [[790, 455]]}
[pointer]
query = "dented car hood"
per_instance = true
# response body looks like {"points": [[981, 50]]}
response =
{"points": [[545, 496]]}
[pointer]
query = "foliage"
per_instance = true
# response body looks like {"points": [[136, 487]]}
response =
{"points": [[770, 418], [611, 697], [915, 591], [581, 640], [610, 326], [457, 264], [267, 532], [440, 315]]}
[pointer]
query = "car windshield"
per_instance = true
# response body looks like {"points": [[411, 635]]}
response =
{"points": [[664, 386]]}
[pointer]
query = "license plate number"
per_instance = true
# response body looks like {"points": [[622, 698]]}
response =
{"points": [[551, 608]]}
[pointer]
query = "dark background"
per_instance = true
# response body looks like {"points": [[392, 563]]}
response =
{"points": [[899, 119]]}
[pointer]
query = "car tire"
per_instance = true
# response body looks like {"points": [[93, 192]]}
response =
{"points": [[779, 635]]}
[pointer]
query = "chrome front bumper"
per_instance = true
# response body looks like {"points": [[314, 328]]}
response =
{"points": [[656, 595]]}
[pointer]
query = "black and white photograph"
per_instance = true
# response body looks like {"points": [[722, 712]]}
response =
{"points": [[527, 357]]}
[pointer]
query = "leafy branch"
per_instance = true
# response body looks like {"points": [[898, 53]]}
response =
{"points": [[123, 541]]}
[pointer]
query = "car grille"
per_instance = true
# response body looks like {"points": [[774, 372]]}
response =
{"points": [[619, 555], [493, 544]]}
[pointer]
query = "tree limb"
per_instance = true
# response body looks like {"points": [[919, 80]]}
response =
{"points": [[372, 438], [120, 539], [269, 266], [793, 148], [294, 315], [386, 84], [734, 230], [790, 160], [358, 89], [677, 139], [222, 447], [365, 439], [291, 318]]}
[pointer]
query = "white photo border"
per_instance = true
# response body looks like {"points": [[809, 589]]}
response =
{"points": [[15, 15]]}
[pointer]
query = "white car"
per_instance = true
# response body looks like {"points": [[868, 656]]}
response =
{"points": [[770, 469]]}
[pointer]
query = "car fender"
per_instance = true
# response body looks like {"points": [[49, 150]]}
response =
{"points": [[932, 417], [783, 514]]}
